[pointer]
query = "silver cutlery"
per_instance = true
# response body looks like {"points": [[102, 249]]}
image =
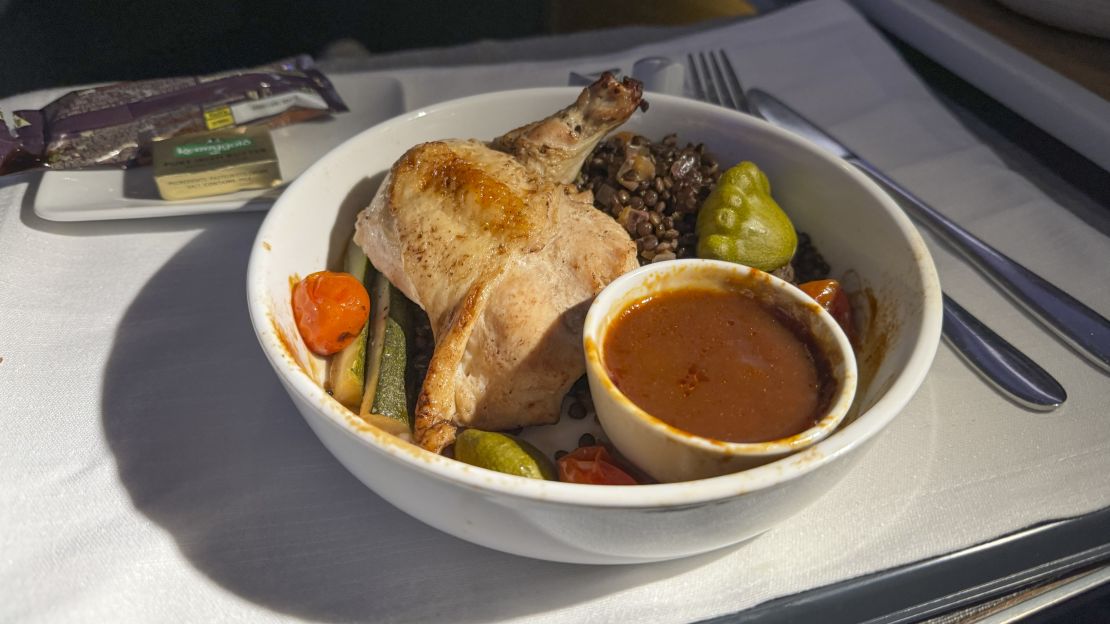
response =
{"points": [[710, 86], [999, 362]]}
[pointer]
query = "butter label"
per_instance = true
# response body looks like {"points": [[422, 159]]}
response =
{"points": [[211, 147], [215, 163]]}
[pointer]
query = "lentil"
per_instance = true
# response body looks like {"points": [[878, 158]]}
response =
{"points": [[808, 263], [657, 203], [577, 411], [675, 182]]}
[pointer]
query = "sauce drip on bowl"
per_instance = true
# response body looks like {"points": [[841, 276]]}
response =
{"points": [[718, 364]]}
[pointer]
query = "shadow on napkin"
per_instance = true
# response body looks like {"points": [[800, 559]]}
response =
{"points": [[211, 449]]}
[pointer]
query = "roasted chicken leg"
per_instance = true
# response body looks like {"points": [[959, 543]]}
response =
{"points": [[505, 256]]}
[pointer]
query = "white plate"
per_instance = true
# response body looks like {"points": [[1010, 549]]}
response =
{"points": [[131, 194]]}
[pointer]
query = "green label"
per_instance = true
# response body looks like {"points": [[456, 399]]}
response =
{"points": [[212, 147]]}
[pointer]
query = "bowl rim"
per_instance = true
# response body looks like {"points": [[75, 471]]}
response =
{"points": [[660, 495], [615, 295]]}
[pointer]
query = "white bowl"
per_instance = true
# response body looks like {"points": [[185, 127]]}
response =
{"points": [[856, 226], [670, 454]]}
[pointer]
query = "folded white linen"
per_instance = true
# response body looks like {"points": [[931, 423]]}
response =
{"points": [[152, 469]]}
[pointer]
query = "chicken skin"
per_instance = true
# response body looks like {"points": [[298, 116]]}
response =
{"points": [[505, 256]]}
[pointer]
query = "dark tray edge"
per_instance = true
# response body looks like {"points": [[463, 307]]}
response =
{"points": [[941, 584]]}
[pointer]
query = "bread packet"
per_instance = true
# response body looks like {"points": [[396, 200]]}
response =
{"points": [[12, 155], [116, 124]]}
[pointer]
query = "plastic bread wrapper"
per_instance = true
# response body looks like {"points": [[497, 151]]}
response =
{"points": [[114, 125], [12, 155]]}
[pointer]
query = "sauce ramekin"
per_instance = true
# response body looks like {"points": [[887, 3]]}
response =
{"points": [[670, 454]]}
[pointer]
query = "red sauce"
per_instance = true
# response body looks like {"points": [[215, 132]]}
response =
{"points": [[718, 364]]}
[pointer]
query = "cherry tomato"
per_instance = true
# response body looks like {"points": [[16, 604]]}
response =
{"points": [[594, 465], [330, 310], [831, 296]]}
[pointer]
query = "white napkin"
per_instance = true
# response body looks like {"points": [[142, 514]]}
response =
{"points": [[152, 469]]}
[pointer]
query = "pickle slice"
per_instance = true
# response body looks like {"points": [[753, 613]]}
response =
{"points": [[391, 398], [741, 222], [387, 390], [503, 453], [347, 369]]}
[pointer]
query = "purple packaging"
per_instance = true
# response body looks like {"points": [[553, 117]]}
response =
{"points": [[12, 155], [115, 124]]}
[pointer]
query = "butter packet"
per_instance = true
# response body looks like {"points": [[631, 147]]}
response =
{"points": [[215, 163]]}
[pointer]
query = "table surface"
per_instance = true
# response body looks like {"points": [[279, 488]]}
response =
{"points": [[119, 499]]}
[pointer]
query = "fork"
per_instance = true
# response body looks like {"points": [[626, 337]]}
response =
{"points": [[705, 82], [715, 81]]}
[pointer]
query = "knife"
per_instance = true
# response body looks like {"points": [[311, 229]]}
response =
{"points": [[998, 362], [990, 355]]}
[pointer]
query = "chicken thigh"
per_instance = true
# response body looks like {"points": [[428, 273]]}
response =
{"points": [[505, 256]]}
